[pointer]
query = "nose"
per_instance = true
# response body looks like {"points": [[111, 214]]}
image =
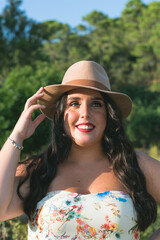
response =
{"points": [[84, 110]]}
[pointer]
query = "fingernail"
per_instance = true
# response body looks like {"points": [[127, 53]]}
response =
{"points": [[43, 106]]}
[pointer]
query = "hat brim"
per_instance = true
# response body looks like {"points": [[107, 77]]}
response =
{"points": [[53, 92]]}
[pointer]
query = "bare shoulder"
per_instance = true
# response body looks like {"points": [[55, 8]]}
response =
{"points": [[151, 169], [143, 157], [147, 163]]}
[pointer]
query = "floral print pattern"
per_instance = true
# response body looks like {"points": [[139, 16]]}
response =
{"points": [[66, 215]]}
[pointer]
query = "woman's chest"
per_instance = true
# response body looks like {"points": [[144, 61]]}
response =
{"points": [[86, 181]]}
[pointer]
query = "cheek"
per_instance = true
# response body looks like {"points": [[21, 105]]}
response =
{"points": [[102, 116], [70, 118], [103, 122]]}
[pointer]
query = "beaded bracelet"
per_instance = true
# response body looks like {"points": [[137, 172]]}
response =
{"points": [[15, 144]]}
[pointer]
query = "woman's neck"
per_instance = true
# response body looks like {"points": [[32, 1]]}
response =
{"points": [[81, 155]]}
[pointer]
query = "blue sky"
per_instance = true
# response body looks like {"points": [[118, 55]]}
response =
{"points": [[70, 11]]}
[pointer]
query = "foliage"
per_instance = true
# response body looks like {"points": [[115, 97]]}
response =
{"points": [[19, 85], [128, 46], [143, 123], [144, 126], [15, 229]]}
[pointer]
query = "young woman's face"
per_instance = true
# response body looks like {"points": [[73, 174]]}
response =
{"points": [[85, 117]]}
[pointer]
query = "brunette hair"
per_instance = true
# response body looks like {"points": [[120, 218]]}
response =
{"points": [[41, 169]]}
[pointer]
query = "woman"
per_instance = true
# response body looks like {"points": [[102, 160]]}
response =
{"points": [[89, 183]]}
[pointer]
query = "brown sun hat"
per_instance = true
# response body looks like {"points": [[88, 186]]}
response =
{"points": [[84, 74]]}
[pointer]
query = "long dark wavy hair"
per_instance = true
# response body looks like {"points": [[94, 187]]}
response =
{"points": [[41, 169]]}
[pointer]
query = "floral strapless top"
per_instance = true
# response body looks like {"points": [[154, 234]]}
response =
{"points": [[71, 216]]}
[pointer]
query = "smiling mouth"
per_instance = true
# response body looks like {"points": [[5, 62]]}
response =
{"points": [[85, 127]]}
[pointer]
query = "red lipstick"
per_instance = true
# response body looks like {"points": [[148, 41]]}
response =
{"points": [[85, 127]]}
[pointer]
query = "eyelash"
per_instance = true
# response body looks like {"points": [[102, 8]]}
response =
{"points": [[72, 104], [98, 104]]}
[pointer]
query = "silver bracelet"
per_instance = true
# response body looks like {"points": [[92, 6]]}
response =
{"points": [[15, 144]]}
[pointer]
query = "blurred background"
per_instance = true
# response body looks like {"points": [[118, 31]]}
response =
{"points": [[40, 39]]}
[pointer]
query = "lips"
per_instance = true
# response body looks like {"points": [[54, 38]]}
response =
{"points": [[85, 127]]}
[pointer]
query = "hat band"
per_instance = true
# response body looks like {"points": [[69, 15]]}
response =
{"points": [[87, 83]]}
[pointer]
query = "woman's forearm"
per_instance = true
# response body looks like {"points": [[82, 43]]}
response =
{"points": [[9, 157], [10, 154]]}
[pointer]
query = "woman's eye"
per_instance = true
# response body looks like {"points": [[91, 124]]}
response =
{"points": [[97, 104], [74, 104]]}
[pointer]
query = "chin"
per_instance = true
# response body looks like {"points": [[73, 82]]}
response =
{"points": [[86, 144]]}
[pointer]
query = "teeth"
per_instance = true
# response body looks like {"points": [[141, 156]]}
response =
{"points": [[85, 127]]}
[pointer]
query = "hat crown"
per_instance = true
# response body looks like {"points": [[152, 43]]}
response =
{"points": [[86, 70]]}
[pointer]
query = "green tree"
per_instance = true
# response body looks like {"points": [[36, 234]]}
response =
{"points": [[14, 229], [3, 53], [141, 23], [21, 36], [20, 84], [143, 124], [143, 128], [63, 44]]}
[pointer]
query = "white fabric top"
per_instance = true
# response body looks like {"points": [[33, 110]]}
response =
{"points": [[65, 215]]}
